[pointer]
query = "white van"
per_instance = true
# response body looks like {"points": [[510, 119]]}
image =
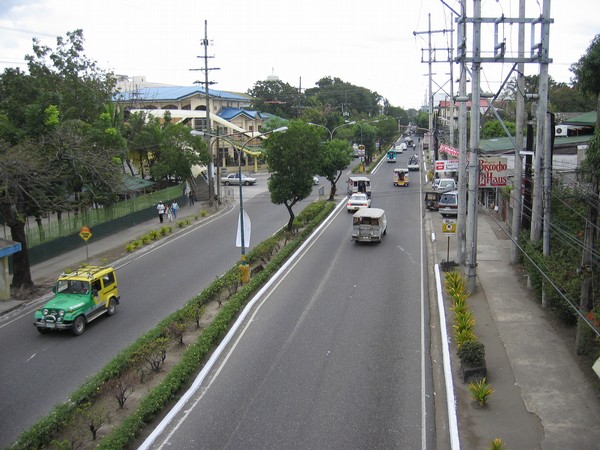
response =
{"points": [[448, 204], [369, 225], [359, 184]]}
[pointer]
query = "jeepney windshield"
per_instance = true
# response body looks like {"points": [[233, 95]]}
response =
{"points": [[72, 287]]}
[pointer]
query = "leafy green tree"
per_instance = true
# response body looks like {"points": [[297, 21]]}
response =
{"points": [[177, 151], [51, 159], [293, 158], [422, 120], [366, 134], [276, 97], [387, 129], [493, 128], [336, 155], [348, 99], [587, 69], [587, 78]]}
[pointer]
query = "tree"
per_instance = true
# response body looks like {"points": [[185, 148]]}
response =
{"points": [[335, 157], [366, 135], [293, 158], [587, 78], [345, 97], [493, 129], [275, 97], [51, 159]]}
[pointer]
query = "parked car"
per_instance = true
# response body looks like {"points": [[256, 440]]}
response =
{"points": [[448, 204], [358, 201], [79, 297], [444, 184], [233, 178]]}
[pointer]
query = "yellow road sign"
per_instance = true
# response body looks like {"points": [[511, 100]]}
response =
{"points": [[448, 227], [85, 233]]}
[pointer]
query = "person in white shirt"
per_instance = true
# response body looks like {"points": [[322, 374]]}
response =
{"points": [[161, 211]]}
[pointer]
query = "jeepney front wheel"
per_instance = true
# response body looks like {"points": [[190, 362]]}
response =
{"points": [[112, 307], [79, 326]]}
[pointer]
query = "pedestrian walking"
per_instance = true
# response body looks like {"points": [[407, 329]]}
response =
{"points": [[170, 212], [161, 211], [175, 208], [191, 197]]}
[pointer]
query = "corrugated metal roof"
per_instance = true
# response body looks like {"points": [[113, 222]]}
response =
{"points": [[170, 93], [229, 113], [503, 144], [588, 118]]}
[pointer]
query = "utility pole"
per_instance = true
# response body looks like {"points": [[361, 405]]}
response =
{"points": [[542, 109], [517, 192], [206, 69], [474, 148], [539, 54], [430, 61], [451, 57], [461, 223]]}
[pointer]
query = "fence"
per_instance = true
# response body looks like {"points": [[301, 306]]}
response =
{"points": [[70, 223]]}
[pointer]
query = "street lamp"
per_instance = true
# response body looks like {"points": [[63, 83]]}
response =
{"points": [[243, 264], [333, 130]]}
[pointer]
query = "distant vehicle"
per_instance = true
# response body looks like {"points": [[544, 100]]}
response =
{"points": [[359, 185], [233, 178], [79, 297], [409, 142], [391, 156], [401, 147], [401, 177], [315, 180], [369, 225], [413, 163], [444, 184], [358, 201]]}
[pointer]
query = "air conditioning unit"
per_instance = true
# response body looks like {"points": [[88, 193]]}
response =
{"points": [[561, 130]]}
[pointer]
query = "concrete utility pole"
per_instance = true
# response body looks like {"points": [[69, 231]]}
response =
{"points": [[430, 61], [206, 69], [517, 192], [461, 223], [542, 109], [473, 155]]}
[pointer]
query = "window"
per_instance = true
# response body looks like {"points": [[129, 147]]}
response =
{"points": [[200, 124]]}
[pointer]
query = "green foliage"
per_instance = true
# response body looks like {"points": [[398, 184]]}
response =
{"points": [[587, 69], [464, 336], [464, 320], [493, 129], [293, 158], [336, 156], [497, 444], [480, 391], [275, 97], [472, 353]]}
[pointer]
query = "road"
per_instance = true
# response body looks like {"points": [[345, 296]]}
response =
{"points": [[334, 355], [40, 371]]}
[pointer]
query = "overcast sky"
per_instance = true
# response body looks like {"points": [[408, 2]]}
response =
{"points": [[369, 44]]}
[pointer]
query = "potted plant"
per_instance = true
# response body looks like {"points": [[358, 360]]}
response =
{"points": [[472, 360]]}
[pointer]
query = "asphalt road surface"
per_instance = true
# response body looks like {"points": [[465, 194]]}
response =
{"points": [[333, 355], [40, 371]]}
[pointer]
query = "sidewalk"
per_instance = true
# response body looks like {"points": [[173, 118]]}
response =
{"points": [[104, 251], [543, 399]]}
